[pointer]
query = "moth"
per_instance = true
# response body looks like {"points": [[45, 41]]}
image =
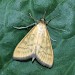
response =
{"points": [[36, 45]]}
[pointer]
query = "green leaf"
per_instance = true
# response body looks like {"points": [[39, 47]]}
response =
{"points": [[61, 28]]}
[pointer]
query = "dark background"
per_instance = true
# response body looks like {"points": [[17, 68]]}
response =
{"points": [[61, 29]]}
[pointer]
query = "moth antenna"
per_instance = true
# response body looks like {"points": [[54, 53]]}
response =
{"points": [[33, 17], [44, 15], [52, 19]]}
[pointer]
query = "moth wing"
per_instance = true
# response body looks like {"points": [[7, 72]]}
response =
{"points": [[45, 52], [25, 48]]}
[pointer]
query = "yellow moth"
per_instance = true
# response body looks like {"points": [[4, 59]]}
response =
{"points": [[36, 45]]}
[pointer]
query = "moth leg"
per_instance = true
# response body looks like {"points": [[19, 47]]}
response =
{"points": [[32, 17], [33, 59], [24, 27], [52, 39], [56, 28]]}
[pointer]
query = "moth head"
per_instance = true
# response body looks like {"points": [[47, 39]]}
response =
{"points": [[42, 20]]}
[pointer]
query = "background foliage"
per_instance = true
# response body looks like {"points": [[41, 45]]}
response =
{"points": [[15, 13]]}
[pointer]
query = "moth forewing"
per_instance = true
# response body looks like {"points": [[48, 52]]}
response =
{"points": [[26, 47], [36, 44], [44, 52]]}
